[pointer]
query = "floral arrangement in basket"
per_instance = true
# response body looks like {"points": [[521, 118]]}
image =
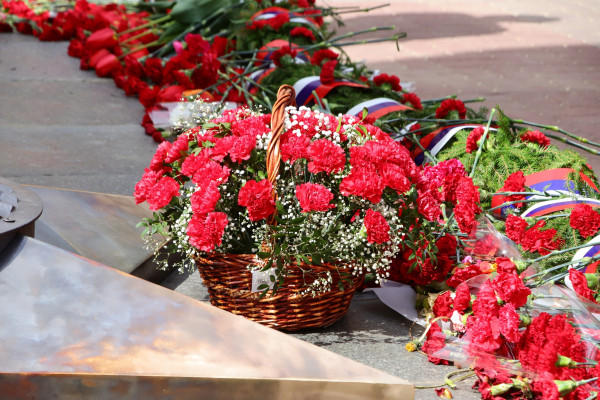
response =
{"points": [[310, 189]]}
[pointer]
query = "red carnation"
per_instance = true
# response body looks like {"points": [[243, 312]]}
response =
{"points": [[157, 163], [474, 137], [414, 101], [161, 194], [585, 220], [544, 339], [536, 137], [149, 96], [302, 31], [462, 298], [580, 285], [133, 67], [515, 228], [363, 182], [204, 200], [133, 86], [256, 196], [435, 342], [486, 304], [461, 275], [378, 229], [143, 187], [327, 72], [442, 305], [222, 147], [252, 126], [393, 177], [428, 206], [282, 51], [180, 145], [514, 183], [314, 197], [211, 171], [242, 148], [467, 206], [506, 266], [451, 105], [325, 156], [208, 73], [450, 185], [196, 44], [392, 80], [541, 241], [278, 21], [545, 389], [76, 48], [294, 148], [323, 54], [484, 334], [192, 163], [510, 289], [154, 70], [206, 231], [509, 323]]}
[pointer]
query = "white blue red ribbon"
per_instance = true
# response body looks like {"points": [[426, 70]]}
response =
{"points": [[553, 180], [377, 108], [257, 76], [436, 140], [304, 88], [552, 206], [265, 53], [271, 12]]}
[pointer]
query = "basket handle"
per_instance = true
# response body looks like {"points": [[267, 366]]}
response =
{"points": [[286, 97]]}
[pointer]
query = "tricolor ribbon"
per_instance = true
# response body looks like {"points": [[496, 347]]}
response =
{"points": [[552, 206], [271, 12], [305, 86], [377, 108], [436, 140], [266, 52], [257, 77], [553, 180]]}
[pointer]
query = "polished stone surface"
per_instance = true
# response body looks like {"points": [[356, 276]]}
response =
{"points": [[101, 329]]}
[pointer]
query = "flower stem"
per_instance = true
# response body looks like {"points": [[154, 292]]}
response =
{"points": [[555, 129], [561, 252], [574, 144], [479, 150], [516, 202], [147, 24]]}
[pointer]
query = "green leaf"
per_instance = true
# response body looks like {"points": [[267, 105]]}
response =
{"points": [[297, 221], [316, 259], [263, 255], [285, 245], [264, 293], [262, 175], [141, 224], [263, 286], [341, 286], [280, 208], [208, 144], [365, 113], [277, 249], [272, 278]]}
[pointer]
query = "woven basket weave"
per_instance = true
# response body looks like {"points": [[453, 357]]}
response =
{"points": [[229, 281]]}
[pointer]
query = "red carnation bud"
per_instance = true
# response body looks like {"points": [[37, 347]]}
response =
{"points": [[101, 39], [97, 56], [106, 65]]}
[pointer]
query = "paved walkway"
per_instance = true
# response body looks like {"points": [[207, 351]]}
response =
{"points": [[538, 59]]}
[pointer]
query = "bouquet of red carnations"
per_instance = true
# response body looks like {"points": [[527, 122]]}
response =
{"points": [[298, 189]]}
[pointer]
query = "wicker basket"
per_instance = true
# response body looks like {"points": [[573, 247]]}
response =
{"points": [[229, 281]]}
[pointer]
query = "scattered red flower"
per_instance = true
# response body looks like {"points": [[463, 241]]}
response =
{"points": [[536, 137], [314, 197], [378, 229], [451, 105], [256, 196]]}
